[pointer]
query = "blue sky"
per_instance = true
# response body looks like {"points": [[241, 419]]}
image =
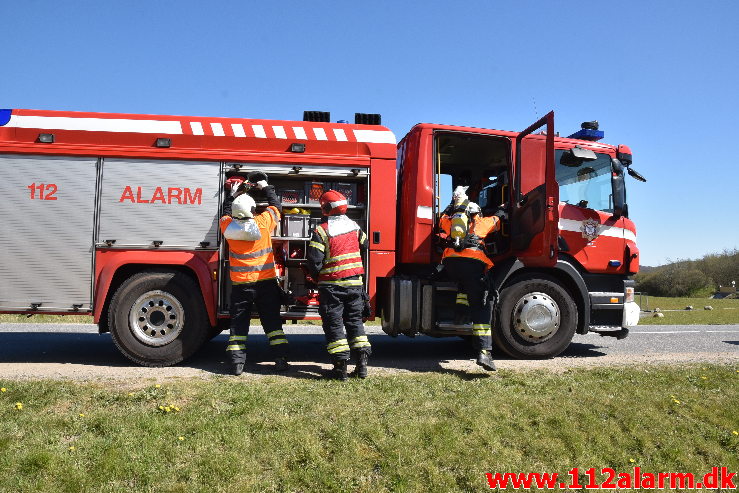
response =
{"points": [[660, 76]]}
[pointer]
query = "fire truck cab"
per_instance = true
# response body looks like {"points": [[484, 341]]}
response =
{"points": [[565, 252]]}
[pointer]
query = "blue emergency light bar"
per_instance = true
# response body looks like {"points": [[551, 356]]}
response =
{"points": [[4, 116], [588, 134]]}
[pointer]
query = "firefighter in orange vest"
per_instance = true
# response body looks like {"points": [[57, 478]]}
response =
{"points": [[252, 265], [465, 261], [335, 262]]}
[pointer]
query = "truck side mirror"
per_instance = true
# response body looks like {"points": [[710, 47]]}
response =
{"points": [[618, 189]]}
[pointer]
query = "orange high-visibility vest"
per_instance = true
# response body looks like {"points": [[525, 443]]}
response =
{"points": [[253, 261], [480, 226]]}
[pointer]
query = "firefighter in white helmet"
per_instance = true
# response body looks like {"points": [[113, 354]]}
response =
{"points": [[464, 229], [335, 262], [252, 265]]}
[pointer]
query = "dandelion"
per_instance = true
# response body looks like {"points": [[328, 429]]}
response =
{"points": [[735, 432], [161, 408], [177, 409], [167, 409], [157, 386], [130, 394], [676, 401], [19, 405], [71, 448], [3, 389], [180, 438], [704, 378], [632, 460], [82, 415]]}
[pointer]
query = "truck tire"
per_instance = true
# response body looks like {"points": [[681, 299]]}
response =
{"points": [[537, 318], [158, 318]]}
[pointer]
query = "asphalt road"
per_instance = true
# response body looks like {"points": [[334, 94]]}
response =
{"points": [[78, 352]]}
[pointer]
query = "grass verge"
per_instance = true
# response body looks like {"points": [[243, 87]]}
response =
{"points": [[724, 311], [396, 433]]}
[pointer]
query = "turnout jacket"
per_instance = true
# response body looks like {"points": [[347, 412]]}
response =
{"points": [[252, 261], [335, 252], [479, 226]]}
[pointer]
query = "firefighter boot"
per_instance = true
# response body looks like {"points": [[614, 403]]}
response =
{"points": [[237, 368], [338, 372], [361, 369], [281, 364], [485, 360]]}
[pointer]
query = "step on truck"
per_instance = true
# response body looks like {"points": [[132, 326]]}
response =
{"points": [[116, 216]]}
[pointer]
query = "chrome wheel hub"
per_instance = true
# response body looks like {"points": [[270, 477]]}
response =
{"points": [[156, 318], [536, 317]]}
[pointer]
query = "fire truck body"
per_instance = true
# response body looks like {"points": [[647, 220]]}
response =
{"points": [[116, 215]]}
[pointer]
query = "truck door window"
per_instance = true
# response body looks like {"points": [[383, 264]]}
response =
{"points": [[587, 185], [471, 160]]}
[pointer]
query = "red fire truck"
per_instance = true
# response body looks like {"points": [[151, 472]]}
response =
{"points": [[115, 215]]}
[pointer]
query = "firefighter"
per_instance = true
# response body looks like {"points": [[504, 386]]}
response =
{"points": [[252, 265], [466, 262], [334, 260]]}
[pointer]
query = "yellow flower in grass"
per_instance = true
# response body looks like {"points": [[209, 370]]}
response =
{"points": [[161, 408], [180, 438], [71, 448], [130, 394], [632, 460], [676, 401], [82, 415], [177, 409], [167, 409], [19, 405], [157, 386], [3, 389], [704, 378], [735, 432]]}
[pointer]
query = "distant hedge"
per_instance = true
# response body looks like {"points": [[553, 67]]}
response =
{"points": [[688, 277]]}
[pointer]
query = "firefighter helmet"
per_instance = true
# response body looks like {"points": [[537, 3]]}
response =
{"points": [[333, 203], [243, 207], [473, 208]]}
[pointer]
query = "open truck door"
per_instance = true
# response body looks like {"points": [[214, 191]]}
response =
{"points": [[534, 212]]}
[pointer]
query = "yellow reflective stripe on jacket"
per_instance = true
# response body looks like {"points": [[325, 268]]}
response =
{"points": [[322, 233], [244, 256], [341, 267], [317, 246], [344, 282], [462, 299], [346, 256]]}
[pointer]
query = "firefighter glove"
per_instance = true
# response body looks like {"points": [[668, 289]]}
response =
{"points": [[233, 184], [503, 215]]}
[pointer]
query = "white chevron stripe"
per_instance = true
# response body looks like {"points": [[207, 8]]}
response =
{"points": [[96, 124], [603, 230]]}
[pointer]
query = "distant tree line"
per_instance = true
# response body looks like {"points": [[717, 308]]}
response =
{"points": [[691, 277]]}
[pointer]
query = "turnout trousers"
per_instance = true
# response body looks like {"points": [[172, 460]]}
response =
{"points": [[266, 295], [341, 308], [470, 275]]}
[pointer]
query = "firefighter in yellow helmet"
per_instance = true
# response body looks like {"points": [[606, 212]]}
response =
{"points": [[335, 262], [252, 265], [466, 262]]}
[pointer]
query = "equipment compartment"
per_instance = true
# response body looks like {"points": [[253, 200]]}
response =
{"points": [[290, 240]]}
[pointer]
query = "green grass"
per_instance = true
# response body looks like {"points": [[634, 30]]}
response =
{"points": [[412, 433], [724, 311], [45, 319]]}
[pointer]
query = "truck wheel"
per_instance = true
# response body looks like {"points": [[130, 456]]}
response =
{"points": [[158, 318], [537, 318]]}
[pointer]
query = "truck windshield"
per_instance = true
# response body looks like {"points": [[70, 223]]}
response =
{"points": [[587, 185]]}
